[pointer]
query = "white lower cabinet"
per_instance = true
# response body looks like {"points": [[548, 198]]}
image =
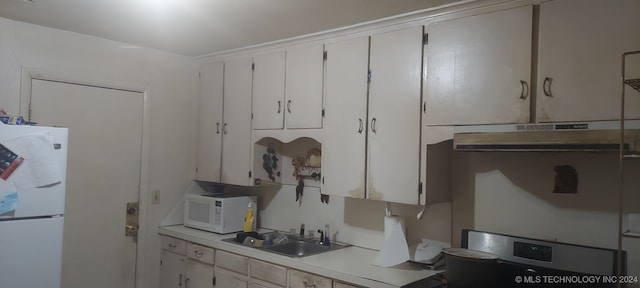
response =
{"points": [[267, 274], [299, 279], [343, 285], [229, 279], [172, 270], [199, 275]]}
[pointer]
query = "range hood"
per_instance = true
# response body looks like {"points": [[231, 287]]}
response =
{"points": [[566, 136]]}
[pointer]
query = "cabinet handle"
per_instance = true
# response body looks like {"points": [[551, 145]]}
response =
{"points": [[373, 125], [213, 281], [224, 129], [307, 284], [279, 107], [198, 253], [218, 128], [171, 246], [361, 127], [525, 90], [180, 281], [289, 106], [546, 86], [186, 283]]}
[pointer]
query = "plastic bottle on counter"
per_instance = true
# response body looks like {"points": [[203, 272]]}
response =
{"points": [[249, 220]]}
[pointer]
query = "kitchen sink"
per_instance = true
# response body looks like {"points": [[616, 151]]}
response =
{"points": [[293, 247]]}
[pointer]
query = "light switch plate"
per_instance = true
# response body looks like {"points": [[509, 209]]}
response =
{"points": [[155, 197]]}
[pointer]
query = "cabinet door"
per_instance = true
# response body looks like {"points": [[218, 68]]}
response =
{"points": [[199, 276], [479, 69], [394, 116], [172, 270], [226, 279], [210, 122], [579, 59], [268, 91], [343, 157], [236, 138], [305, 70], [299, 279]]}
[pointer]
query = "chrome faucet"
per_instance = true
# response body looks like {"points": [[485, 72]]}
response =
{"points": [[324, 236]]}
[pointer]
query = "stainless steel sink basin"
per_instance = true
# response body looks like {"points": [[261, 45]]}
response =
{"points": [[300, 248], [294, 247]]}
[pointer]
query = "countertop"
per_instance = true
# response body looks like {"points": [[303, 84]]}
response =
{"points": [[351, 264]]}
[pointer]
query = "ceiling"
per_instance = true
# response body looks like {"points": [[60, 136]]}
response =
{"points": [[199, 27]]}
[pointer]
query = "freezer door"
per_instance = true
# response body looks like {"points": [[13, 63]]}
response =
{"points": [[31, 253], [33, 201]]}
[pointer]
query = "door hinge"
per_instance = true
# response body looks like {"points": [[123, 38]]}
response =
{"points": [[369, 76], [253, 66], [425, 38], [324, 55], [420, 188], [249, 173]]}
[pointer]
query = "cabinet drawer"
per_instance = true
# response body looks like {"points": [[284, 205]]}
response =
{"points": [[343, 285], [232, 262], [174, 245], [200, 253], [299, 279], [268, 272]]}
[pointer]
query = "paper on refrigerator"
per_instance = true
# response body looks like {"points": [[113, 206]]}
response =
{"points": [[40, 165]]}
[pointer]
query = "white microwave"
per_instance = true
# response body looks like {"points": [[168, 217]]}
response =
{"points": [[219, 214]]}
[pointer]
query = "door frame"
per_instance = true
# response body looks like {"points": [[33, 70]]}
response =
{"points": [[28, 74]]}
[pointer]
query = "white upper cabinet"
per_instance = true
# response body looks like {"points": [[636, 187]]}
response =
{"points": [[343, 149], [479, 68], [224, 126], [287, 89], [305, 72], [579, 58], [236, 129], [394, 110], [210, 101], [268, 91]]}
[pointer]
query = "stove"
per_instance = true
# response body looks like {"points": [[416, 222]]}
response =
{"points": [[527, 262]]}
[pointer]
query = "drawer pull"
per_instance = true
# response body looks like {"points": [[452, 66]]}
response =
{"points": [[172, 246], [198, 253], [309, 285]]}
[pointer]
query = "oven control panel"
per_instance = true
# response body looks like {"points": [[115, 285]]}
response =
{"points": [[532, 251]]}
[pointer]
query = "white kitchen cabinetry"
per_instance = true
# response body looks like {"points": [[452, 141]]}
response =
{"points": [[210, 101], [200, 275], [172, 262], [305, 73], [265, 274], [394, 111], [268, 91], [224, 133], [383, 126], [172, 270], [299, 279], [479, 68], [228, 279], [292, 103], [344, 142], [579, 59], [236, 130]]}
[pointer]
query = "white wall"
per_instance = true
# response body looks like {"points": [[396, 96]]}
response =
{"points": [[511, 193], [169, 81]]}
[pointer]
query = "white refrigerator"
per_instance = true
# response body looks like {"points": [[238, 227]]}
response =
{"points": [[33, 165]]}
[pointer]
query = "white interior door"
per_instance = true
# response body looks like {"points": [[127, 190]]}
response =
{"points": [[103, 174]]}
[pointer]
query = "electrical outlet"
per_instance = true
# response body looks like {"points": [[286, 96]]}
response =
{"points": [[155, 197]]}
